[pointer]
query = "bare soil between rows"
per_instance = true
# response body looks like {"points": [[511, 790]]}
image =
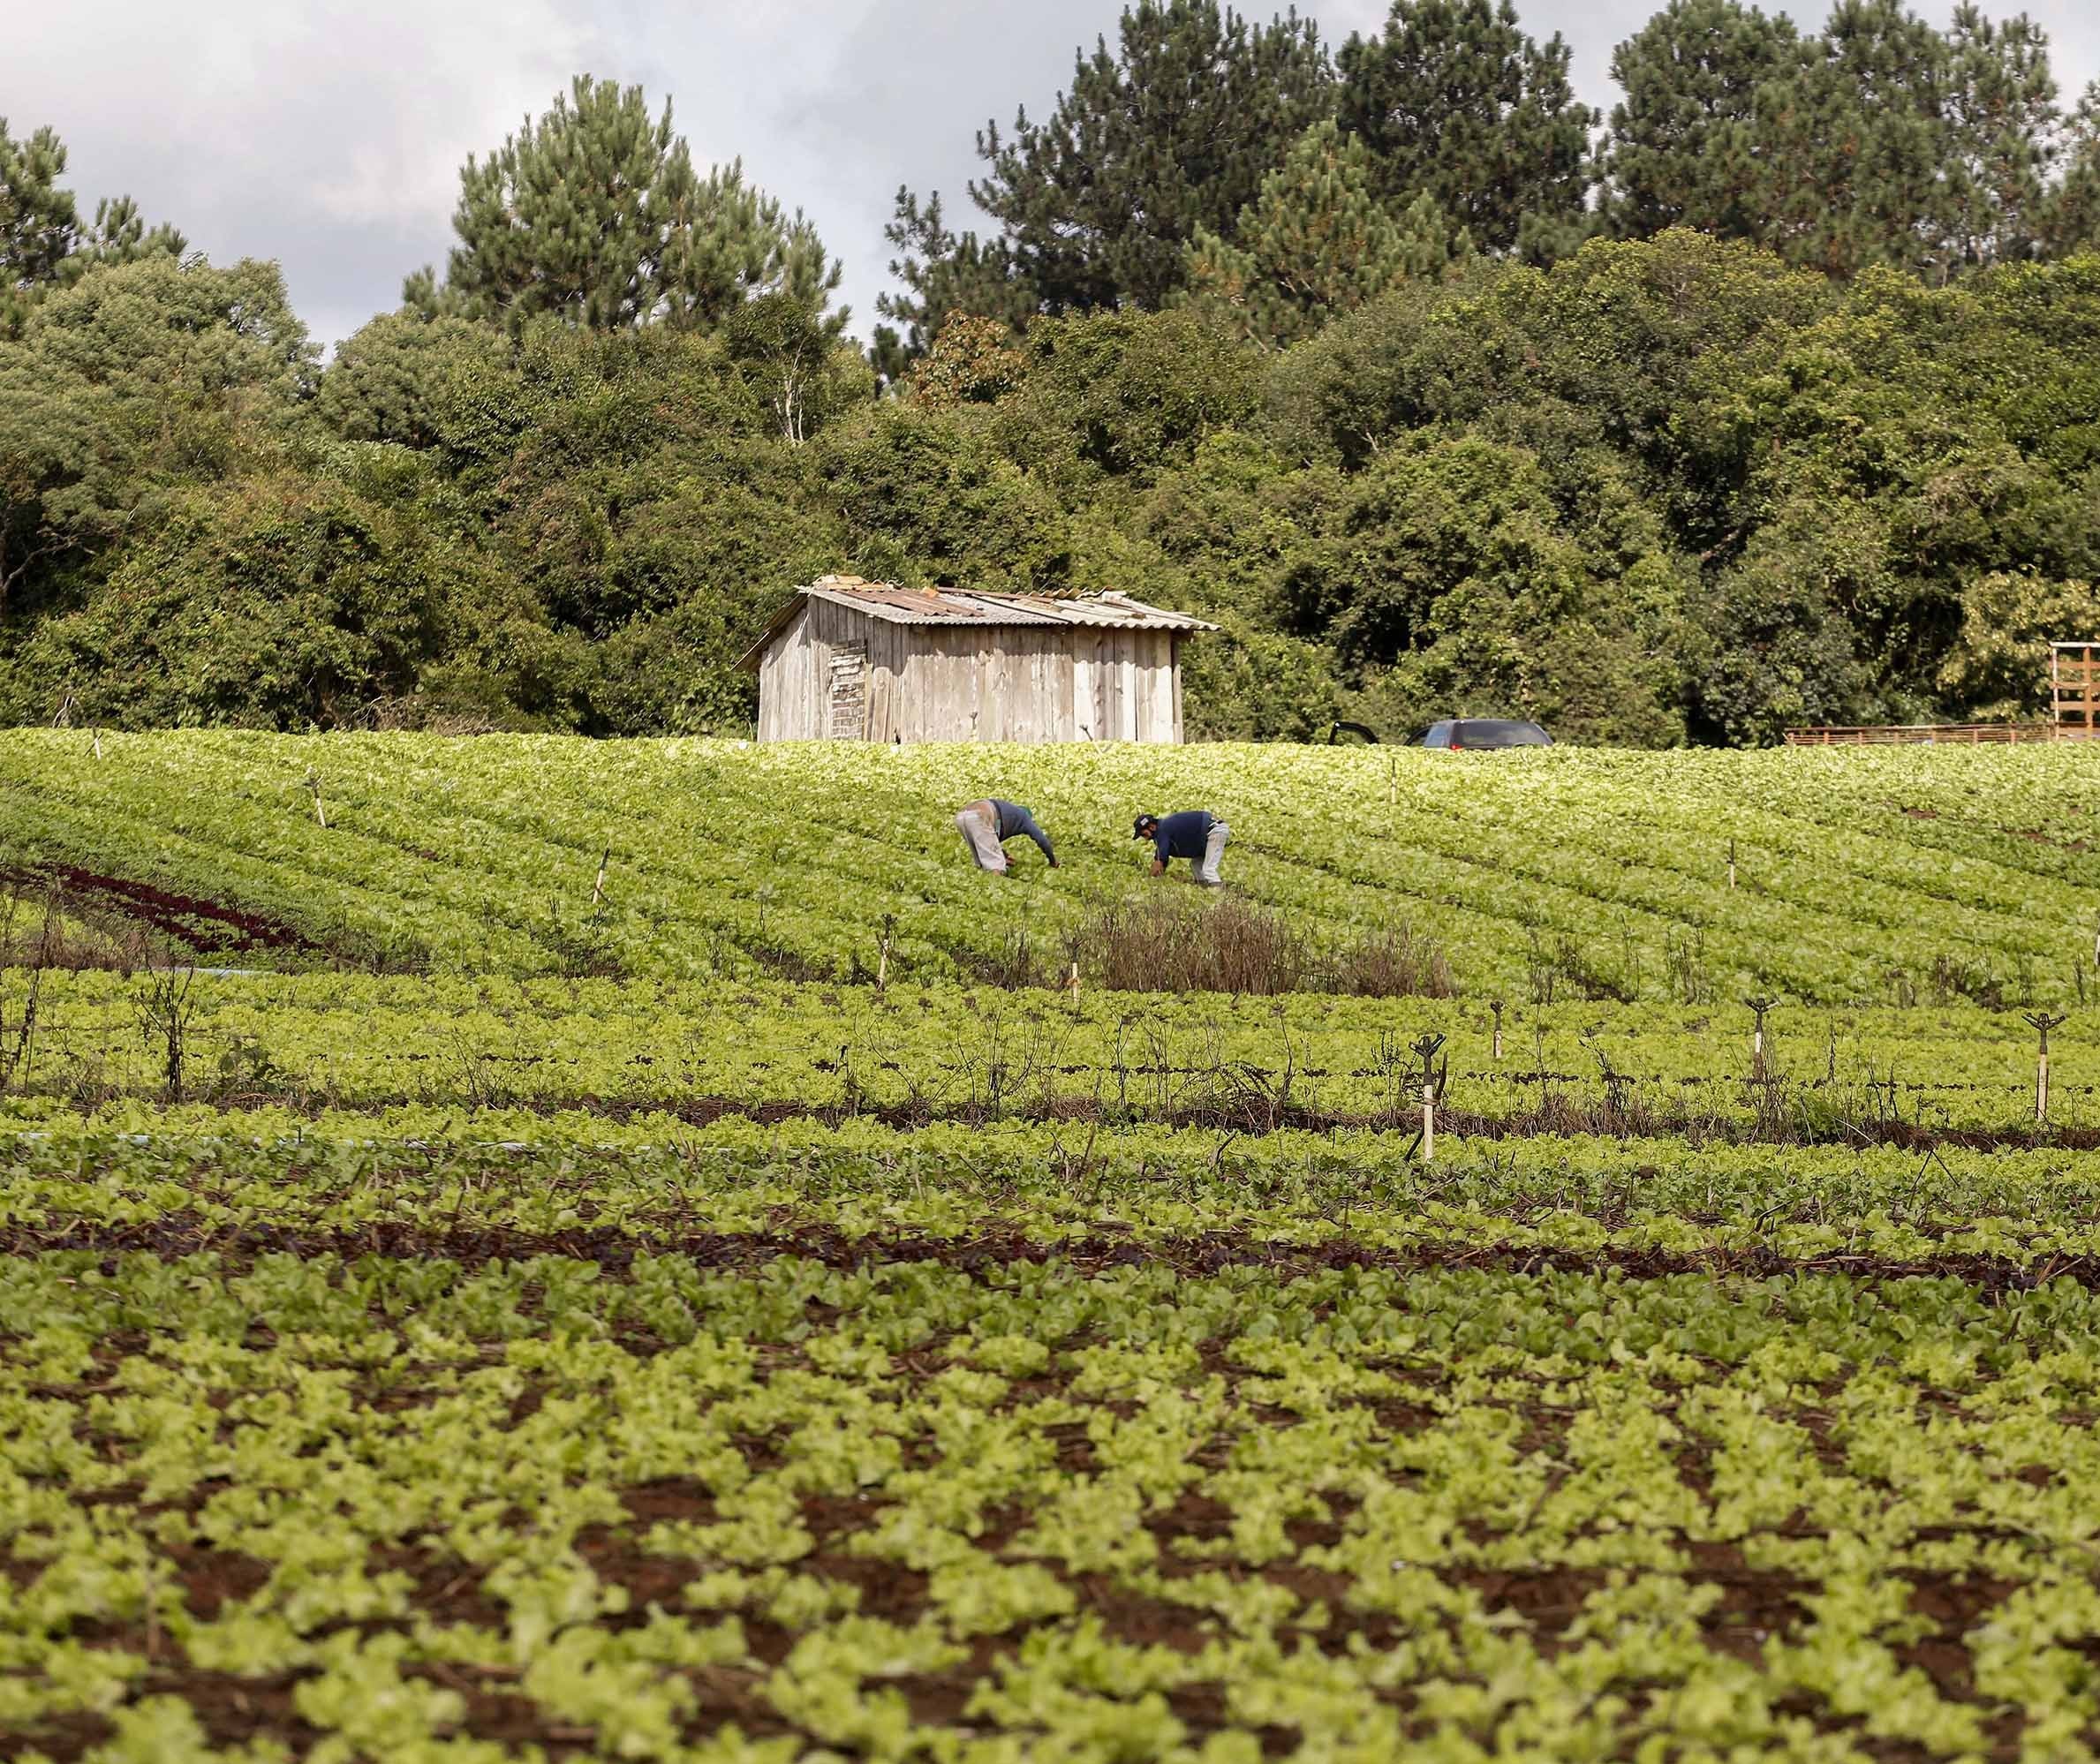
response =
{"points": [[1565, 1120], [1557, 1122], [615, 1252]]}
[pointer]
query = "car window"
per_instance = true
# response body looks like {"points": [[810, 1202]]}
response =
{"points": [[1498, 732]]}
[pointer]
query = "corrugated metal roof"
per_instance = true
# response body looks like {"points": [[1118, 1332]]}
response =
{"points": [[898, 606], [901, 605], [945, 605]]}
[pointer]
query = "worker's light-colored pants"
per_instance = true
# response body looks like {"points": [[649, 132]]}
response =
{"points": [[978, 824], [1213, 849]]}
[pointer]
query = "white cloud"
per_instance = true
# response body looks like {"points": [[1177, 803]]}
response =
{"points": [[329, 135]]}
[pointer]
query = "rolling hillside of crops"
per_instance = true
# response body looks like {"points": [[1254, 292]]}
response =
{"points": [[1858, 876]]}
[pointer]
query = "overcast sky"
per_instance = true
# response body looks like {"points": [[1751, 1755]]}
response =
{"points": [[328, 134]]}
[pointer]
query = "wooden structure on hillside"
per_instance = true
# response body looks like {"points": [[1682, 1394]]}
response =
{"points": [[1919, 734], [2073, 712], [848, 660], [2075, 691]]}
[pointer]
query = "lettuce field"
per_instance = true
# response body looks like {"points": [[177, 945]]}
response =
{"points": [[1829, 876], [521, 1249]]}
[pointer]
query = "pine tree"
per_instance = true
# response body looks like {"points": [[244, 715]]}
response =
{"points": [[2071, 215], [1167, 136], [595, 216], [1452, 98], [944, 273], [2003, 124], [120, 235], [1683, 145], [42, 244], [726, 243], [1879, 140], [1316, 242], [40, 227], [1856, 143]]}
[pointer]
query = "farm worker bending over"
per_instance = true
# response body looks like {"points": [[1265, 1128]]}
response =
{"points": [[1195, 835], [986, 826]]}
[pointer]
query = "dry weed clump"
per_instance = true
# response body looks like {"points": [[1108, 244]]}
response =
{"points": [[1393, 964], [1173, 943]]}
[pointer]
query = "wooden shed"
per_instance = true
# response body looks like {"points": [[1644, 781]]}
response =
{"points": [[852, 660]]}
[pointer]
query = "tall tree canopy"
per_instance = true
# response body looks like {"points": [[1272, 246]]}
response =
{"points": [[594, 215], [1316, 242], [1168, 134], [43, 242], [1855, 139], [1879, 139], [1683, 144], [2071, 214], [134, 379], [944, 272], [1452, 98], [2004, 136]]}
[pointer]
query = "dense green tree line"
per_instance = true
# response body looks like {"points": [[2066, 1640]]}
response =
{"points": [[1691, 471]]}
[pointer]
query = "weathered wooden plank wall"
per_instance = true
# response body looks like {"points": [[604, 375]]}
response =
{"points": [[834, 673], [787, 678]]}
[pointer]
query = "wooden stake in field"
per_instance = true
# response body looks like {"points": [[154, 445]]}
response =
{"points": [[1496, 1009], [2042, 1022], [1392, 782], [320, 813], [98, 743], [597, 887], [1432, 1085], [1759, 1006], [1731, 863], [889, 922], [1072, 985]]}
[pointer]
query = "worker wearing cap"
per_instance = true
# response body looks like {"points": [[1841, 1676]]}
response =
{"points": [[1195, 835], [986, 827]]}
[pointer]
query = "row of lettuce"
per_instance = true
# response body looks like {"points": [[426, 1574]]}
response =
{"points": [[245, 1180], [351, 1039], [1843, 876]]}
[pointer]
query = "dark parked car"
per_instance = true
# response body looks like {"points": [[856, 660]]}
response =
{"points": [[1485, 732]]}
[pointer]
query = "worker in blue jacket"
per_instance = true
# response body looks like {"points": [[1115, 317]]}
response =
{"points": [[1195, 835], [987, 825]]}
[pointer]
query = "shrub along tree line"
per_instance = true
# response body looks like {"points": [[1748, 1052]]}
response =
{"points": [[1774, 399]]}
